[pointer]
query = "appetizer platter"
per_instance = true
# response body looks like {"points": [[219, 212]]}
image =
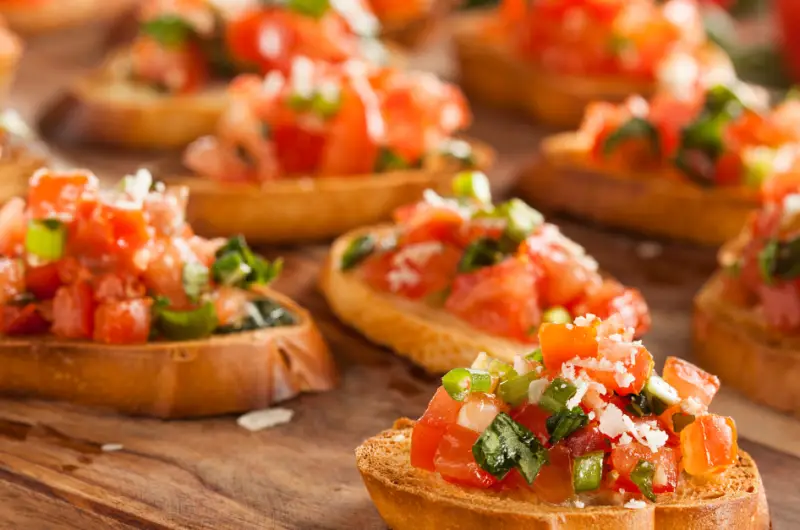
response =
{"points": [[558, 440], [746, 315], [460, 275], [110, 299], [686, 165], [551, 59], [40, 16], [323, 150]]}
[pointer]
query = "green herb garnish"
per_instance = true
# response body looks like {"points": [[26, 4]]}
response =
{"points": [[505, 445], [170, 31]]}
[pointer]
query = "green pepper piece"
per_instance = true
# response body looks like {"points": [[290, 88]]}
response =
{"points": [[587, 471], [514, 391], [186, 325], [312, 8], [535, 356], [460, 382], [642, 477], [357, 251], [522, 220], [472, 185], [557, 315], [555, 396], [324, 107], [460, 151], [46, 239]]}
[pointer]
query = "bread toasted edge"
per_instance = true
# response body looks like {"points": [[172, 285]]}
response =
{"points": [[408, 498], [49, 16], [563, 178]]}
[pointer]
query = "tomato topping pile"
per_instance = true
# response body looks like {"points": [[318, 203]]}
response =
{"points": [[628, 38], [585, 412], [183, 44], [760, 267], [328, 120], [121, 266], [500, 268], [710, 136]]}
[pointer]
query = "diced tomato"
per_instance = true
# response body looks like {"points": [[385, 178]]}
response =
{"points": [[637, 365], [781, 303], [244, 33], [12, 227], [500, 299], [123, 322], [164, 274], [586, 440], [728, 170], [534, 418], [181, 70], [12, 279], [709, 445], [624, 459], [298, 150], [230, 304], [112, 287], [431, 223], [43, 281], [561, 343], [428, 431], [419, 278], [73, 311], [455, 462], [167, 212], [350, 132], [553, 484], [56, 195], [775, 188], [22, 320], [690, 381], [611, 298]]}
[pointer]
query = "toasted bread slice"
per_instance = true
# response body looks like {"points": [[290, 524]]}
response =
{"points": [[39, 17], [302, 209], [563, 178], [115, 110], [736, 344], [413, 499], [490, 72], [412, 32], [218, 375], [9, 61]]}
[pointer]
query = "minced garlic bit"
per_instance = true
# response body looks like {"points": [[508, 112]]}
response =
{"points": [[263, 419], [635, 504]]}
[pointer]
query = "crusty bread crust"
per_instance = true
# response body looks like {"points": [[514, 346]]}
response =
{"points": [[430, 337], [413, 499], [736, 344], [297, 209], [563, 178], [411, 33], [218, 375], [490, 72], [56, 14]]}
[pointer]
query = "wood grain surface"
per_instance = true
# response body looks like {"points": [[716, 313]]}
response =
{"points": [[212, 474]]}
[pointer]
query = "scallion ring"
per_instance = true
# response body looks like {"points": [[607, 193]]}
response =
{"points": [[460, 382]]}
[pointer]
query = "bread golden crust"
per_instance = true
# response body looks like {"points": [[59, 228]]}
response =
{"points": [[9, 63], [736, 344], [57, 14], [291, 210], [409, 498], [218, 375], [490, 72], [411, 33], [563, 178]]}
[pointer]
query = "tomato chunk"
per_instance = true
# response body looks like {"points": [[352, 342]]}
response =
{"points": [[56, 195], [124, 322], [455, 462], [22, 320], [73, 311], [43, 281], [400, 272], [635, 362], [533, 417], [624, 459], [586, 440], [12, 279], [563, 342], [554, 482], [709, 445], [429, 430], [690, 381]]}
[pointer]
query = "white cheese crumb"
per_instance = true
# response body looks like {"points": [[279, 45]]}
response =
{"points": [[581, 387], [612, 421], [585, 321], [399, 278], [399, 438], [110, 448], [579, 504], [624, 380], [418, 254], [601, 365], [591, 415], [264, 419], [635, 504], [625, 439], [536, 389]]}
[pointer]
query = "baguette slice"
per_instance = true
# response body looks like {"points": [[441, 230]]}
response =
{"points": [[736, 344], [413, 499], [413, 32], [218, 375], [490, 72], [21, 154], [564, 179], [291, 210], [39, 17]]}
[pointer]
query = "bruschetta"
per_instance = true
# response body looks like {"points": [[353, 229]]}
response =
{"points": [[410, 23], [39, 16], [458, 275], [683, 165], [326, 149], [551, 59], [107, 298], [747, 316], [168, 87], [579, 434]]}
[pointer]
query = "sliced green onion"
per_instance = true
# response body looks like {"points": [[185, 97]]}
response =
{"points": [[632, 129], [680, 420], [186, 325], [483, 252], [460, 382], [565, 422], [535, 356], [501, 370], [506, 444], [555, 396], [230, 269], [357, 251], [514, 390], [460, 151], [326, 107], [170, 31], [660, 394], [521, 219], [46, 239], [642, 477], [472, 185], [759, 164], [195, 278], [312, 8], [557, 315], [587, 471]]}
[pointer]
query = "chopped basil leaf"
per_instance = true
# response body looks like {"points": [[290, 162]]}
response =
{"points": [[639, 405], [261, 313], [506, 444], [642, 477], [170, 31], [299, 102], [780, 260], [565, 422], [555, 396], [237, 265], [483, 252], [357, 251], [632, 129]]}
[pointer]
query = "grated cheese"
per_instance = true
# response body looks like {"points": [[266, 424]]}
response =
{"points": [[624, 379], [579, 504], [585, 321], [635, 504], [612, 421]]}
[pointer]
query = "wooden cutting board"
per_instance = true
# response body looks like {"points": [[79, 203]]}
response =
{"points": [[213, 474]]}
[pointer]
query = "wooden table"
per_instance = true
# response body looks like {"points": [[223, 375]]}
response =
{"points": [[214, 474]]}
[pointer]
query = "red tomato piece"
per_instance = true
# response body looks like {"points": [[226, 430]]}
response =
{"points": [[73, 311], [110, 287], [612, 298], [12, 227], [637, 365], [624, 459], [12, 279], [586, 440], [429, 430], [534, 418], [690, 381], [22, 320], [123, 322], [553, 484], [164, 274], [298, 150], [431, 223], [455, 462], [709, 445], [428, 276], [728, 170], [43, 281], [349, 132], [561, 343], [230, 304], [57, 195], [442, 409], [181, 70]]}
